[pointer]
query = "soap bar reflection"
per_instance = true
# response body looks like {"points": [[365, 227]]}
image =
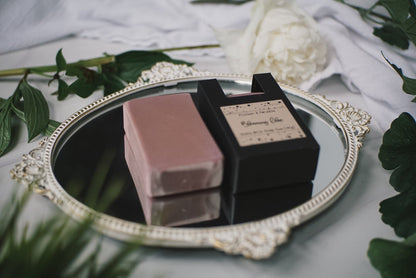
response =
{"points": [[174, 210], [181, 209]]}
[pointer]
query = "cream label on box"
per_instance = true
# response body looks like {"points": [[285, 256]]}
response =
{"points": [[262, 122]]}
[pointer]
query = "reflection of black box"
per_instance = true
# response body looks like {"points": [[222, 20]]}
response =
{"points": [[265, 142], [259, 204]]}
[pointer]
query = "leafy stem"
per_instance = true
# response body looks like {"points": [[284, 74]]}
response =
{"points": [[93, 62], [53, 68], [369, 13], [109, 72], [398, 28]]}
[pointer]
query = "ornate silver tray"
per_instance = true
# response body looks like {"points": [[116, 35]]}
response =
{"points": [[338, 128]]}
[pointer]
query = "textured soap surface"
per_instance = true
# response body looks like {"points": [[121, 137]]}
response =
{"points": [[173, 148]]}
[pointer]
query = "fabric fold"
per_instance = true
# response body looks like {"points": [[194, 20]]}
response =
{"points": [[354, 52]]}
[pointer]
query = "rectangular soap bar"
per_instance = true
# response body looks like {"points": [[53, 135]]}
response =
{"points": [[173, 210], [263, 139], [174, 150]]}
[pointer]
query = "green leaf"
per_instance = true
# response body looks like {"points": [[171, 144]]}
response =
{"points": [[398, 153], [5, 127], [412, 9], [409, 84], [400, 213], [52, 125], [50, 128], [18, 112], [398, 9], [57, 247], [73, 71], [88, 81], [392, 35], [63, 89], [83, 88], [129, 65], [409, 27], [112, 83], [35, 108], [394, 259], [60, 61]]}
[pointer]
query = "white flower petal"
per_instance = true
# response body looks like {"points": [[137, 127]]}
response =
{"points": [[280, 38]]}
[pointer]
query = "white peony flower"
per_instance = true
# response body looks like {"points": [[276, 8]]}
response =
{"points": [[280, 38]]}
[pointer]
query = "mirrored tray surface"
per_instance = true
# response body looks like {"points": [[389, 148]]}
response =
{"points": [[88, 149]]}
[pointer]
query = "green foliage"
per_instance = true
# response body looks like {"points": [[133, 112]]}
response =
{"points": [[110, 73], [129, 65], [5, 126], [28, 104], [87, 83], [401, 19], [400, 212], [36, 109], [60, 61], [399, 28], [392, 35], [398, 153], [56, 247], [398, 9], [409, 84], [394, 259], [398, 150], [111, 76]]}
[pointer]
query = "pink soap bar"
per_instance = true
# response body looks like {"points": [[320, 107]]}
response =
{"points": [[174, 150], [173, 210]]}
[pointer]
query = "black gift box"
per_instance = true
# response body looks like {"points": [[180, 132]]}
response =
{"points": [[265, 142]]}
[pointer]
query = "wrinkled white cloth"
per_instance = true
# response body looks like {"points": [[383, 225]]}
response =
{"points": [[354, 53], [143, 24]]}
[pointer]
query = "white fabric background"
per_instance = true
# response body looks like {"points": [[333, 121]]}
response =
{"points": [[333, 244], [354, 52]]}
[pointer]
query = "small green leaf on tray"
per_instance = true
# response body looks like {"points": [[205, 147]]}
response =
{"points": [[60, 61], [35, 108], [392, 35], [394, 259], [400, 213], [398, 153]]}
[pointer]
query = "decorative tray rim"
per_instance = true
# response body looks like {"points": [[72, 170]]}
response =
{"points": [[257, 239]]}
